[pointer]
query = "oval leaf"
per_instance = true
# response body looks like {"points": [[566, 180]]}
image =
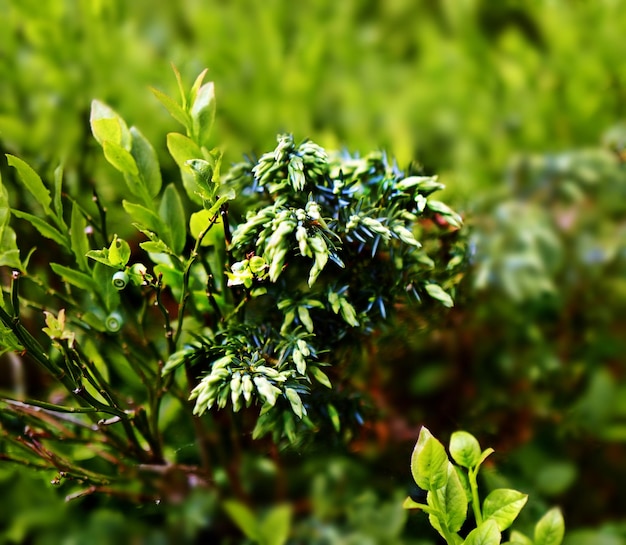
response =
{"points": [[453, 501], [550, 528], [144, 217], [182, 148], [320, 376], [119, 252], [429, 462], [437, 292], [198, 223], [147, 162], [486, 534], [121, 159], [274, 530], [173, 216], [107, 125], [503, 505], [243, 517], [464, 449]]}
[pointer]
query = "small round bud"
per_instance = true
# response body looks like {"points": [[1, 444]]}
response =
{"points": [[114, 322], [120, 280], [139, 274]]}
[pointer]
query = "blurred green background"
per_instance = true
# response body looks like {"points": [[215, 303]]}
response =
{"points": [[517, 106]]}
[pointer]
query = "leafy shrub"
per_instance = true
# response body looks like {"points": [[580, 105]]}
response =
{"points": [[250, 291]]}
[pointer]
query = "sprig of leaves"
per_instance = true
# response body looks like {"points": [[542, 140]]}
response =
{"points": [[452, 487]]}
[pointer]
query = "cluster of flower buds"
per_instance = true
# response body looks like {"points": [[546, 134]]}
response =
{"points": [[272, 230], [241, 381], [291, 165]]}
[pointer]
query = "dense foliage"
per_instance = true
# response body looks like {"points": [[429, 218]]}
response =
{"points": [[516, 107], [252, 310]]}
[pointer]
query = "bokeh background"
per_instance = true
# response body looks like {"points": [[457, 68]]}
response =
{"points": [[517, 106]]}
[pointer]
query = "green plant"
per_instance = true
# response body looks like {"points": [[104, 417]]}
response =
{"points": [[452, 487], [252, 291], [460, 88]]}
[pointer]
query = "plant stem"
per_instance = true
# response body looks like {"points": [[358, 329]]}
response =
{"points": [[185, 293], [472, 473], [169, 332], [102, 214]]}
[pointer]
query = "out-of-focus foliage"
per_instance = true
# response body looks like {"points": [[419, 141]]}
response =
{"points": [[507, 101], [409, 76]]}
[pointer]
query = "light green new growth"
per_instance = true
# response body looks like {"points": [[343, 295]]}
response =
{"points": [[452, 487]]}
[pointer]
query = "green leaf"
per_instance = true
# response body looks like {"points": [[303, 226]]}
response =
{"points": [[334, 416], [173, 216], [171, 277], [295, 402], [451, 498], [144, 217], [155, 245], [193, 92], [429, 462], [8, 340], [147, 162], [305, 318], [75, 278], [174, 109], [107, 125], [444, 210], [32, 182], [58, 206], [214, 208], [101, 256], [244, 518], [464, 449], [78, 237], [484, 455], [5, 209], [183, 149], [119, 252], [320, 376], [348, 312], [181, 87], [203, 175], [9, 252], [410, 503], [274, 529], [108, 295], [175, 360], [550, 529], [503, 505], [486, 534], [199, 221], [44, 228], [517, 538], [120, 158], [436, 292], [203, 113]]}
